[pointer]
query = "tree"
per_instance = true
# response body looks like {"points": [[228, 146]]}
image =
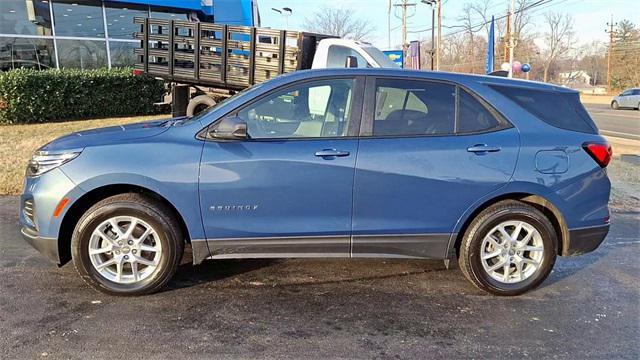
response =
{"points": [[557, 39], [340, 22], [625, 56]]}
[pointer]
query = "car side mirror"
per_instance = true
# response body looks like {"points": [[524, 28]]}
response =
{"points": [[230, 128], [351, 62]]}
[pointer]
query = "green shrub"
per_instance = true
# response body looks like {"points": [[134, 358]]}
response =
{"points": [[32, 96]]}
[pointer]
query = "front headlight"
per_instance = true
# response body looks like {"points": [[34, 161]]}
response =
{"points": [[43, 161]]}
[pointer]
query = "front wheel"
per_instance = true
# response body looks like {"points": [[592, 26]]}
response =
{"points": [[127, 244], [615, 105], [508, 249]]}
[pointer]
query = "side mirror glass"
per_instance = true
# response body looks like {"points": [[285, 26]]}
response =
{"points": [[230, 128], [351, 62]]}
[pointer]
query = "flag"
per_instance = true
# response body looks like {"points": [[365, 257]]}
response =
{"points": [[490, 45], [414, 55]]}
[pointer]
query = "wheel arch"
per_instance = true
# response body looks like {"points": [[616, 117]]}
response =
{"points": [[82, 204], [550, 210]]}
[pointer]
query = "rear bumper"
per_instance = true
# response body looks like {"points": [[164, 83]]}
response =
{"points": [[47, 246], [584, 240]]}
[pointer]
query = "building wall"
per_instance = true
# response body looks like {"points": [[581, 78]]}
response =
{"points": [[84, 34]]}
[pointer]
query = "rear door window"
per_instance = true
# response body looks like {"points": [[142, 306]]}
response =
{"points": [[405, 107], [560, 109]]}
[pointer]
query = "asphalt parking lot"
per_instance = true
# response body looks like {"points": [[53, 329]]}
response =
{"points": [[588, 308]]}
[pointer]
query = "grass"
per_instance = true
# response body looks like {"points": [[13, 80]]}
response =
{"points": [[20, 141]]}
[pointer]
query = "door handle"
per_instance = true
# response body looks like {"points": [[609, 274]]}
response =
{"points": [[331, 153], [482, 148]]}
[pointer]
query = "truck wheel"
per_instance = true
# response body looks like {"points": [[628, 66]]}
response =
{"points": [[508, 249], [127, 244], [199, 104]]}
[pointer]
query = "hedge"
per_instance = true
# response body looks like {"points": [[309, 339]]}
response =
{"points": [[32, 96]]}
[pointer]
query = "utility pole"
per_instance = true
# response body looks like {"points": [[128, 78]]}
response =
{"points": [[432, 52], [389, 24], [511, 40], [507, 37], [610, 31], [439, 46], [404, 5]]}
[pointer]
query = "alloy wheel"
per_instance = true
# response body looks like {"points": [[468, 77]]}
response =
{"points": [[125, 249], [512, 252]]}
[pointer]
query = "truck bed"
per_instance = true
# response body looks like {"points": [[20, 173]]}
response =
{"points": [[230, 57]]}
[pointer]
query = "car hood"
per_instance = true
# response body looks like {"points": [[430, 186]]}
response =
{"points": [[110, 135]]}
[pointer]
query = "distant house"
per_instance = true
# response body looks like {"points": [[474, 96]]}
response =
{"points": [[578, 76], [581, 81]]}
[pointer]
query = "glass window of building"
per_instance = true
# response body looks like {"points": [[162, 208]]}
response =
{"points": [[82, 54], [120, 19], [169, 14], [25, 17], [122, 53], [72, 18], [26, 53]]}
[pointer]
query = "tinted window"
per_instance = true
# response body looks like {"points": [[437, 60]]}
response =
{"points": [[559, 109], [120, 19], [472, 115], [25, 17], [72, 18], [405, 107], [310, 110], [26, 52], [82, 54]]}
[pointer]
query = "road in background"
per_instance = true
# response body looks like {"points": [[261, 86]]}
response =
{"points": [[620, 123]]}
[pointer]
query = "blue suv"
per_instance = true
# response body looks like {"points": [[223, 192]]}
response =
{"points": [[501, 174]]}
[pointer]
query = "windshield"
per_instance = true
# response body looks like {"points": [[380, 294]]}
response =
{"points": [[379, 57]]}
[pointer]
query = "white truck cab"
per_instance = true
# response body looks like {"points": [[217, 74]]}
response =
{"points": [[333, 53]]}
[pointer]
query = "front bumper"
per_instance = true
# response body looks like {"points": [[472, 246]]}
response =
{"points": [[584, 240], [47, 246]]}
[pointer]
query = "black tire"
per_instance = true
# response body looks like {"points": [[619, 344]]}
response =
{"points": [[199, 104], [615, 105], [470, 247], [154, 213]]}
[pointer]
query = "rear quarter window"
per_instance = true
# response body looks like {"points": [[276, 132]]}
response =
{"points": [[559, 109]]}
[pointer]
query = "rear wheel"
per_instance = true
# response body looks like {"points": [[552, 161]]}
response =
{"points": [[127, 244], [615, 105], [508, 249]]}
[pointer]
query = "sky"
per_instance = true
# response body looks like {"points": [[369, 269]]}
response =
{"points": [[590, 16]]}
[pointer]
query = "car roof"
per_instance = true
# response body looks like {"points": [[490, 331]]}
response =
{"points": [[426, 75]]}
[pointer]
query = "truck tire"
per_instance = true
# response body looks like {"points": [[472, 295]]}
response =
{"points": [[199, 104]]}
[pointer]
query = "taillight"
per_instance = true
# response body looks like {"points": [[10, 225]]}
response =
{"points": [[600, 152]]}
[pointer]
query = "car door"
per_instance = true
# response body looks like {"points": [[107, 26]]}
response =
{"points": [[635, 99], [428, 150], [626, 99], [286, 191]]}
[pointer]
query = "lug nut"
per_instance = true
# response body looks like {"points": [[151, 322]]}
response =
{"points": [[117, 252], [126, 257], [130, 242], [120, 243], [134, 251]]}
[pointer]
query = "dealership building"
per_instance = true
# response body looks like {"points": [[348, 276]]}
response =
{"points": [[89, 34]]}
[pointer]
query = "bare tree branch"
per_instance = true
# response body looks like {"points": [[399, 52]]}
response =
{"points": [[340, 22]]}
